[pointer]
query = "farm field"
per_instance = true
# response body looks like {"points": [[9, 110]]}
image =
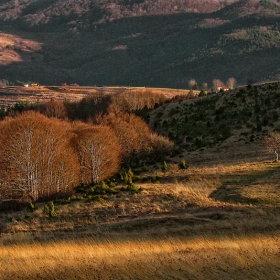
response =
{"points": [[11, 95]]}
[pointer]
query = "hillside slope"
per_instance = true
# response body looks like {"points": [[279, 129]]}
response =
{"points": [[232, 123], [151, 43]]}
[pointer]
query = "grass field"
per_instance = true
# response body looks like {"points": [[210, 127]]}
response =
{"points": [[214, 221], [171, 258]]}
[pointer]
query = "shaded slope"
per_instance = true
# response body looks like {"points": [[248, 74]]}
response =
{"points": [[98, 43]]}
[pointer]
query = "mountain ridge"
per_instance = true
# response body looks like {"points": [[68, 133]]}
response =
{"points": [[121, 43]]}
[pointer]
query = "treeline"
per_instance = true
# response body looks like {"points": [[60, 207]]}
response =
{"points": [[50, 148], [91, 106]]}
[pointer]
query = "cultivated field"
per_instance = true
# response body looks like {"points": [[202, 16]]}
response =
{"points": [[15, 94]]}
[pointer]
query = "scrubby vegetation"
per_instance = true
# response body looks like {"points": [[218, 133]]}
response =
{"points": [[245, 114]]}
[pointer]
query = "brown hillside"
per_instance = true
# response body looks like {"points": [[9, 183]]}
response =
{"points": [[139, 43]]}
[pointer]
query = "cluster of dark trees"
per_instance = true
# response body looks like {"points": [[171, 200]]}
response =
{"points": [[47, 150]]}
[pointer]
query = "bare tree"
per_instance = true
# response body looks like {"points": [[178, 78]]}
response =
{"points": [[98, 151], [160, 145], [272, 142], [36, 158], [135, 137], [132, 100], [231, 83], [125, 133], [55, 109], [204, 86], [217, 83], [192, 83]]}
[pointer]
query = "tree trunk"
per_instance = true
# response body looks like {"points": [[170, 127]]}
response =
{"points": [[276, 154]]}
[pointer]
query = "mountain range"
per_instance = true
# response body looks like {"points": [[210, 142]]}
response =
{"points": [[139, 42]]}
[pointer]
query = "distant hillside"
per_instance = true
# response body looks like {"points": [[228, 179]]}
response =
{"points": [[232, 119], [139, 42]]}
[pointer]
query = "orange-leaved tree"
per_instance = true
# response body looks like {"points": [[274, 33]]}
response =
{"points": [[135, 137], [98, 151], [36, 157]]}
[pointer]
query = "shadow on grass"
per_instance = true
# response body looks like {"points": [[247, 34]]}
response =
{"points": [[233, 184]]}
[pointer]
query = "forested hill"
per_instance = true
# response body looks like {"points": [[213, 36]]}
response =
{"points": [[139, 42]]}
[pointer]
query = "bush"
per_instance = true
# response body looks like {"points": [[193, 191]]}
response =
{"points": [[31, 207], [183, 165], [101, 188], [155, 179], [49, 210], [165, 167], [132, 189], [202, 93]]}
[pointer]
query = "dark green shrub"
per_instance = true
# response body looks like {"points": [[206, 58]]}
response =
{"points": [[49, 209], [112, 184], [155, 179], [76, 198], [82, 188], [145, 168], [202, 93], [46, 209], [101, 189], [268, 4], [52, 210], [164, 167], [31, 207], [126, 177], [132, 189], [183, 165]]}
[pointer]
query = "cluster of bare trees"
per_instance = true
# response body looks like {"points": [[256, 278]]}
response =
{"points": [[133, 100], [98, 151], [96, 104], [36, 158], [134, 135], [42, 157], [231, 83]]}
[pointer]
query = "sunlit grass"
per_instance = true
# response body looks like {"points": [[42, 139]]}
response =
{"points": [[171, 258], [176, 229]]}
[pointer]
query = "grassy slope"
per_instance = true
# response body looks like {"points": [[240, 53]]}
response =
{"points": [[208, 222], [239, 116]]}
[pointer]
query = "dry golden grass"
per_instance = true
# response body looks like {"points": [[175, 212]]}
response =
{"points": [[171, 258], [219, 221]]}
